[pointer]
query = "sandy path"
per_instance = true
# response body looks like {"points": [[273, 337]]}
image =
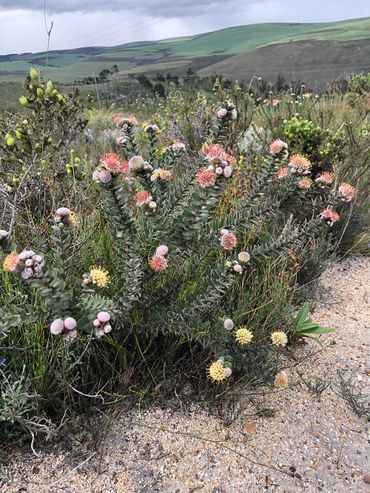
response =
{"points": [[308, 445]]}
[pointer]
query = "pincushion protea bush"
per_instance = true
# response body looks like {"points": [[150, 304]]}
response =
{"points": [[202, 251]]}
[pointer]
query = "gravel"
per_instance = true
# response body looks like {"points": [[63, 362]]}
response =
{"points": [[309, 444]]}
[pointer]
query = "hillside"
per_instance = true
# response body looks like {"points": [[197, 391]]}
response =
{"points": [[315, 62], [218, 50]]}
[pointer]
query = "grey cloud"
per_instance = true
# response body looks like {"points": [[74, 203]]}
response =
{"points": [[164, 8]]}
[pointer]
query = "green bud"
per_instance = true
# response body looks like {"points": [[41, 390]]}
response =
{"points": [[34, 74], [49, 140], [25, 122], [37, 147], [23, 100], [9, 140], [19, 133], [40, 93], [49, 86], [54, 92], [60, 98]]}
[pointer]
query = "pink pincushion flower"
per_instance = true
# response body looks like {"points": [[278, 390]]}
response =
{"points": [[277, 146], [124, 167], [325, 179], [329, 215], [282, 173], [158, 263], [142, 198], [206, 178], [107, 328], [347, 192], [300, 164], [111, 162], [118, 120], [221, 113], [305, 183], [237, 268], [228, 240], [213, 153], [162, 250]]}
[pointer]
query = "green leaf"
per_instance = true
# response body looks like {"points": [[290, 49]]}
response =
{"points": [[319, 330], [302, 314]]}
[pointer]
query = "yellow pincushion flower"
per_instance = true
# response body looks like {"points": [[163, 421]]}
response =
{"points": [[279, 338], [11, 262], [99, 277], [73, 220], [216, 371], [243, 336]]}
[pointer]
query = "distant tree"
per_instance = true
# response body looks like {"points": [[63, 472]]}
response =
{"points": [[160, 78], [159, 89], [144, 82], [114, 69], [281, 84]]}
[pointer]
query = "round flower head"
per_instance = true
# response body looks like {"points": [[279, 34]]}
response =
{"points": [[70, 336], [117, 120], [243, 336], [282, 173], [3, 234], [238, 268], [228, 171], [178, 146], [161, 174], [277, 146], [325, 179], [102, 176], [347, 192], [107, 328], [70, 323], [96, 323], [329, 215], [228, 372], [214, 153], [152, 205], [158, 263], [219, 171], [142, 198], [136, 164], [228, 324], [111, 162], [57, 326], [206, 178], [228, 240], [216, 371], [152, 128], [305, 183], [11, 262], [124, 167], [162, 250], [63, 212], [279, 338], [103, 317], [244, 257], [221, 113], [99, 277], [299, 164], [281, 380]]}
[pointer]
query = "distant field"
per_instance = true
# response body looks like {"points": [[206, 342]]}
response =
{"points": [[214, 51]]}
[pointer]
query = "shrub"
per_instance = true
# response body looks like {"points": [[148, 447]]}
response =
{"points": [[191, 263]]}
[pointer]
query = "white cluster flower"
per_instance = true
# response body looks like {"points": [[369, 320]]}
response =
{"points": [[228, 324], [29, 264], [67, 328], [151, 128], [3, 234], [102, 175], [101, 324]]}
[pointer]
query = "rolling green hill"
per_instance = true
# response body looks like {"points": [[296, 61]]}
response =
{"points": [[219, 51]]}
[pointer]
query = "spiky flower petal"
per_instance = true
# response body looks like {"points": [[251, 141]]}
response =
{"points": [[279, 338], [299, 164], [11, 262], [228, 240], [277, 146], [216, 371], [206, 178], [243, 336], [99, 276], [158, 263], [347, 192]]}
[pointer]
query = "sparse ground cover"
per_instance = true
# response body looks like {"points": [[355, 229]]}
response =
{"points": [[306, 438]]}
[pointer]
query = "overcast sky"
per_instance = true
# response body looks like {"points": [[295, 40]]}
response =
{"points": [[111, 22]]}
